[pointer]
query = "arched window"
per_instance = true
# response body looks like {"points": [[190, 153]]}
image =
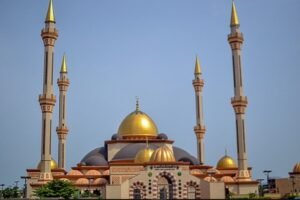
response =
{"points": [[165, 188], [191, 192], [136, 193]]}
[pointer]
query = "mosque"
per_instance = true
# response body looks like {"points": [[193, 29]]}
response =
{"points": [[139, 162]]}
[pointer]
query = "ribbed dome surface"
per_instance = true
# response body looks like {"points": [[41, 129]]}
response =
{"points": [[296, 168], [163, 154], [226, 162], [138, 124]]}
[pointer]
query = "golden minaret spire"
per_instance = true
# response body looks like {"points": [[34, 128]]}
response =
{"points": [[197, 66], [234, 16], [63, 68], [50, 13]]}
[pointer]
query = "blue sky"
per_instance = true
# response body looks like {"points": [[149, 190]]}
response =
{"points": [[117, 50]]}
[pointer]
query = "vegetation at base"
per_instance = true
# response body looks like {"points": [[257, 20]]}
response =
{"points": [[58, 189], [10, 192]]}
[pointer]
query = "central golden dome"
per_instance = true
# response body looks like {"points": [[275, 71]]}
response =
{"points": [[137, 124]]}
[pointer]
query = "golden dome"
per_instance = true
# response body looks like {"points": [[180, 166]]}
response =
{"points": [[53, 164], [226, 162], [143, 155], [163, 154], [297, 168], [138, 124]]}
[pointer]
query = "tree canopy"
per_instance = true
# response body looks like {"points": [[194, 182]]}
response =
{"points": [[56, 188]]}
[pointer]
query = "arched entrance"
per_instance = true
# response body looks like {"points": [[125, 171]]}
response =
{"points": [[165, 185], [165, 188]]}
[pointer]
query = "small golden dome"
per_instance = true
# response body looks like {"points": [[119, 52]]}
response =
{"points": [[138, 124], [163, 154], [226, 162], [53, 164], [296, 168], [143, 155]]}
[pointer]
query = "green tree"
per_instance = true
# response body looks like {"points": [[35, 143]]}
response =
{"points": [[56, 188], [9, 192]]}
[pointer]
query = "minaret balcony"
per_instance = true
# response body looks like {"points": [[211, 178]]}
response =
{"points": [[49, 36], [236, 40], [62, 132], [239, 104], [47, 102], [198, 84], [199, 131]]}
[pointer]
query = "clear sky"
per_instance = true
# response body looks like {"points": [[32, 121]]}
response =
{"points": [[117, 50]]}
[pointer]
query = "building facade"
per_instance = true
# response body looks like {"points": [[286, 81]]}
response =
{"points": [[139, 162]]}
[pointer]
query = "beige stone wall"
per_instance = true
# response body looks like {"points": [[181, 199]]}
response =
{"points": [[212, 190], [243, 188], [113, 192]]}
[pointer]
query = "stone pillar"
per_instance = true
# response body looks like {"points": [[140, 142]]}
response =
{"points": [[199, 129]]}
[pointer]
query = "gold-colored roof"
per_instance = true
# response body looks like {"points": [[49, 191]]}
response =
{"points": [[163, 154], [297, 168], [50, 13], [53, 164], [143, 155], [197, 66], [138, 124], [234, 16], [226, 162], [63, 68]]}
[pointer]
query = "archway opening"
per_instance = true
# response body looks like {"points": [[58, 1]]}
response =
{"points": [[165, 188]]}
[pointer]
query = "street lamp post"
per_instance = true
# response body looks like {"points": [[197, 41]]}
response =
{"points": [[267, 172], [25, 184]]}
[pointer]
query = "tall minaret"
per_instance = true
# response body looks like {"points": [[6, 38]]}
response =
{"points": [[199, 129], [47, 99], [239, 101], [62, 130]]}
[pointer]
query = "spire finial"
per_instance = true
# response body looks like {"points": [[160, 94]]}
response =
{"points": [[137, 108], [50, 13], [234, 16], [197, 66], [63, 68], [225, 151]]}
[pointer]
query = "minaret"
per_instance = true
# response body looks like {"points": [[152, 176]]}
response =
{"points": [[239, 101], [199, 129], [62, 130], [47, 99]]}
